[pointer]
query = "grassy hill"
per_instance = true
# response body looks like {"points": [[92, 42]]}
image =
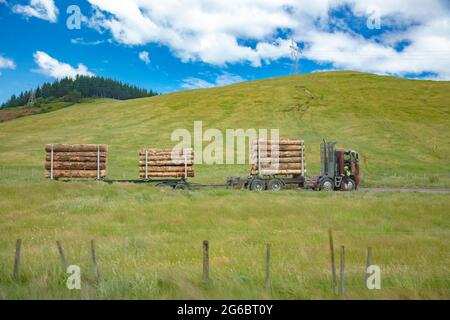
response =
{"points": [[149, 239], [400, 127]]}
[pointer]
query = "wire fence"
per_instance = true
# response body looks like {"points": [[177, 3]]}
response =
{"points": [[343, 275]]}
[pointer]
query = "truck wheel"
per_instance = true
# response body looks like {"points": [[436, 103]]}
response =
{"points": [[181, 186], [275, 185], [258, 185], [326, 184], [348, 184]]}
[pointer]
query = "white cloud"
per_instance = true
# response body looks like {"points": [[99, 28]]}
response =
{"points": [[245, 31], [84, 42], [6, 63], [144, 56], [223, 79], [51, 67], [226, 79], [42, 9], [196, 83]]}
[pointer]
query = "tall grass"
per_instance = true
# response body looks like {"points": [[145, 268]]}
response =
{"points": [[149, 242]]}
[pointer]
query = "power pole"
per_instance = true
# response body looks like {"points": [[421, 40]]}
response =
{"points": [[32, 98], [295, 56]]}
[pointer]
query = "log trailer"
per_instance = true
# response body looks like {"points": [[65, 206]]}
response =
{"points": [[339, 171]]}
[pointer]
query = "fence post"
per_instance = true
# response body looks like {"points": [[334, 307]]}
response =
{"points": [[342, 287], [94, 261], [368, 263], [17, 258], [333, 262], [267, 266], [205, 260], [61, 255]]}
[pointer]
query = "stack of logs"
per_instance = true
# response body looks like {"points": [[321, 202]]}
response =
{"points": [[165, 163], [76, 161], [285, 158]]}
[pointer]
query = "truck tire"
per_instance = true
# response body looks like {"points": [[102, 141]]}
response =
{"points": [[275, 185], [181, 186], [348, 184], [326, 184], [258, 185]]}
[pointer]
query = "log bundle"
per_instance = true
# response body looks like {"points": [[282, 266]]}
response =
{"points": [[76, 161], [165, 163], [282, 157]]}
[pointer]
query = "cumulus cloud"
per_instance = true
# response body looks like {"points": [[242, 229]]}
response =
{"points": [[53, 68], [6, 63], [245, 31], [42, 9], [144, 56], [223, 79]]}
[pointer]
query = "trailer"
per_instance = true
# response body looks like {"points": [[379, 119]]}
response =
{"points": [[177, 184], [164, 167]]}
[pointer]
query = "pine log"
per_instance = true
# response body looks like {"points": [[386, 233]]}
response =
{"points": [[282, 166], [275, 172], [157, 151], [168, 157], [166, 169], [166, 163], [58, 157], [75, 173], [76, 147], [166, 174], [279, 148], [279, 160], [280, 142], [76, 154], [279, 154], [75, 165]]}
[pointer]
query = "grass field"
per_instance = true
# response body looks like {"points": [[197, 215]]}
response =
{"points": [[150, 239]]}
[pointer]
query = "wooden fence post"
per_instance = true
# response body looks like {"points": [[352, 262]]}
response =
{"points": [[94, 261], [368, 263], [205, 261], [61, 255], [17, 258], [342, 287], [333, 262], [267, 266]]}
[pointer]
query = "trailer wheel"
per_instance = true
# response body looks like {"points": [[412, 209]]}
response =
{"points": [[275, 185], [326, 184], [348, 184], [181, 186], [258, 185]]}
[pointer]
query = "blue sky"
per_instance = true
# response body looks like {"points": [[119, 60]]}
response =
{"points": [[175, 45]]}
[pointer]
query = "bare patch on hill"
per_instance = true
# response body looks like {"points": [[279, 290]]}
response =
{"points": [[13, 113]]}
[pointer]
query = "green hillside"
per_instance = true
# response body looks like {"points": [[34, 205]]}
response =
{"points": [[401, 128], [149, 239]]}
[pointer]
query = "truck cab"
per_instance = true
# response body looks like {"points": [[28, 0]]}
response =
{"points": [[339, 168]]}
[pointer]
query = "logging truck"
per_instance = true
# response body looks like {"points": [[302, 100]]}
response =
{"points": [[339, 169], [274, 165]]}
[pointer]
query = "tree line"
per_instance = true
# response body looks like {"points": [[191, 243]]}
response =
{"points": [[73, 90]]}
